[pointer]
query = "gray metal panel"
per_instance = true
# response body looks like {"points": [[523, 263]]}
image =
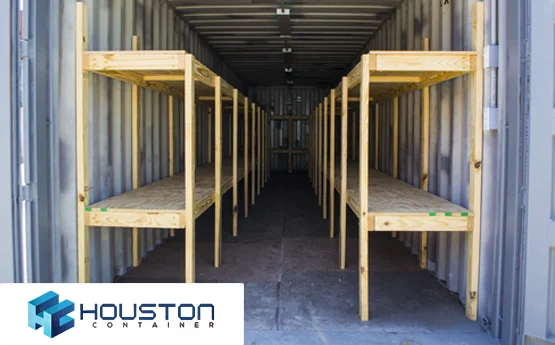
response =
{"points": [[10, 270], [539, 287]]}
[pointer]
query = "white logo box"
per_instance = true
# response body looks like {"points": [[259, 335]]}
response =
{"points": [[120, 313]]}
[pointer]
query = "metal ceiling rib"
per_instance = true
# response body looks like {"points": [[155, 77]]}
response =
{"points": [[249, 35]]}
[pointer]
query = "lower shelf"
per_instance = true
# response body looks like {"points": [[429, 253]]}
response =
{"points": [[161, 204], [394, 205]]}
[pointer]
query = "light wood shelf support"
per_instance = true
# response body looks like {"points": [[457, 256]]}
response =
{"points": [[235, 208], [246, 155], [82, 143], [424, 157], [190, 168], [344, 157], [332, 163], [171, 149]]}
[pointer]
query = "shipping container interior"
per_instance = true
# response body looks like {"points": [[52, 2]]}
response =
{"points": [[200, 128]]}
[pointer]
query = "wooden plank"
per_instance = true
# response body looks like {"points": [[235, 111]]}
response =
{"points": [[353, 137], [218, 172], [82, 141], [289, 117], [203, 74], [363, 187], [343, 175], [122, 219], [171, 151], [418, 61], [325, 162], [267, 147], [258, 151], [395, 143], [246, 155], [332, 163], [150, 60], [235, 208], [355, 75], [190, 169], [475, 188], [229, 134], [136, 152], [377, 137], [253, 151], [415, 222], [320, 153], [424, 157], [212, 99]]}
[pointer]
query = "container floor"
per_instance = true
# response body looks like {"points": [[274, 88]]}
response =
{"points": [[294, 291]]}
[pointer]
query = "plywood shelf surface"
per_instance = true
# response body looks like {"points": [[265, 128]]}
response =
{"points": [[161, 204], [394, 73], [394, 205]]}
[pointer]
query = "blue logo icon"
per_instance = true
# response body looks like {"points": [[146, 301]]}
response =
{"points": [[47, 311]]}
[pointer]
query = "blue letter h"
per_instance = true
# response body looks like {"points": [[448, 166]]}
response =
{"points": [[46, 311]]}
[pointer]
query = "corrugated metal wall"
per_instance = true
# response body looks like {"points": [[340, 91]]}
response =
{"points": [[448, 27], [111, 26], [280, 101]]}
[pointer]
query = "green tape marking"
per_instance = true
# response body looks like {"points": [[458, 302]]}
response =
{"points": [[432, 214], [103, 209], [88, 209], [464, 214], [448, 214]]}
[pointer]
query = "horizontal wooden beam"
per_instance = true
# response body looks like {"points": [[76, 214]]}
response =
{"points": [[415, 222], [136, 219]]}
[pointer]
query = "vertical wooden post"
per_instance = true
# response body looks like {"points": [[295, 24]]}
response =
{"points": [[171, 145], [424, 157], [320, 153], [325, 157], [82, 141], [253, 152], [344, 157], [290, 144], [395, 144], [136, 151], [263, 148], [230, 141], [190, 168], [218, 172], [475, 188], [354, 137], [209, 136], [246, 157], [235, 209], [258, 150], [332, 163], [363, 187], [377, 138]]}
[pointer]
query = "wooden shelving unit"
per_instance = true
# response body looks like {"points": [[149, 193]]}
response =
{"points": [[381, 202], [176, 201]]}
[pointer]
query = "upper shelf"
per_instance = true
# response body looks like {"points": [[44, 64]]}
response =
{"points": [[160, 70], [394, 73]]}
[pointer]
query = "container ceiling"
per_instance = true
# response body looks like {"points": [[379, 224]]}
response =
{"points": [[250, 35]]}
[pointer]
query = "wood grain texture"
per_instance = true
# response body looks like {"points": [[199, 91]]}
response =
{"points": [[168, 195]]}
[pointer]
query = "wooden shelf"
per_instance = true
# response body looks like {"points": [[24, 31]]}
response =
{"points": [[395, 73], [159, 70], [394, 205], [161, 204]]}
